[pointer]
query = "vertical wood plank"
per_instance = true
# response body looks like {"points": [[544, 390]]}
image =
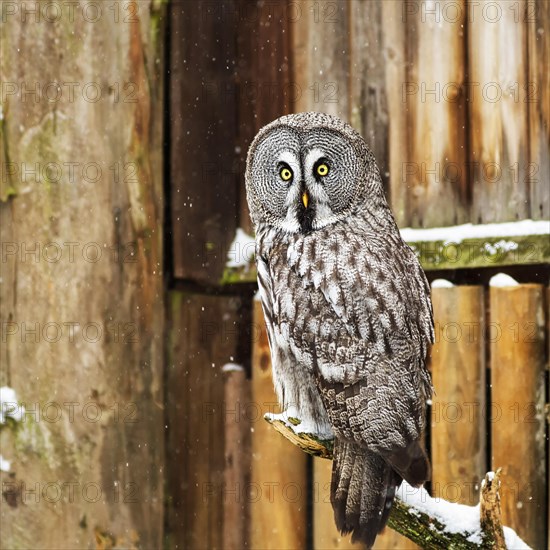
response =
{"points": [[499, 112], [320, 34], [237, 459], [202, 340], [395, 58], [368, 104], [517, 407], [458, 433], [203, 133], [262, 78], [537, 16], [278, 492], [435, 174]]}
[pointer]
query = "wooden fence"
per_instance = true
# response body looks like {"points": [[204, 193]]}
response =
{"points": [[452, 96], [489, 371], [453, 99]]}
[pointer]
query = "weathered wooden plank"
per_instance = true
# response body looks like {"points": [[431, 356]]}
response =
{"points": [[517, 407], [458, 412], [368, 104], [434, 170], [278, 490], [85, 201], [262, 77], [537, 16], [203, 133], [395, 57], [237, 459], [203, 338], [498, 92], [321, 57]]}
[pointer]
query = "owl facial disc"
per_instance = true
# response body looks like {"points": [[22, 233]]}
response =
{"points": [[307, 171]]}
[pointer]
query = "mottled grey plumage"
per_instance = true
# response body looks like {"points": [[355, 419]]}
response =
{"points": [[347, 309]]}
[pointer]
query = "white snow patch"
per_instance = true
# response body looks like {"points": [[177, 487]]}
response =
{"points": [[5, 465], [513, 542], [9, 406], [441, 283], [502, 280], [457, 518], [241, 250], [500, 247], [232, 367], [459, 233]]}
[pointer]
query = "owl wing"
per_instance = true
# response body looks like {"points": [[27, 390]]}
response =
{"points": [[370, 367]]}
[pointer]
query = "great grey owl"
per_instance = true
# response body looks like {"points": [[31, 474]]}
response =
{"points": [[347, 308]]}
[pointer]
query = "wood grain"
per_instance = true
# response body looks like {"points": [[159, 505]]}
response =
{"points": [[202, 340], [321, 53], [499, 156], [279, 486], [262, 78], [368, 95], [458, 434], [435, 175], [95, 277], [518, 395], [537, 16], [203, 177], [237, 459], [395, 58]]}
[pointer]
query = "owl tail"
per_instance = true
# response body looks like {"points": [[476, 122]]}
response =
{"points": [[362, 490]]}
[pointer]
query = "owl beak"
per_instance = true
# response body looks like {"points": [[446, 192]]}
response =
{"points": [[305, 198]]}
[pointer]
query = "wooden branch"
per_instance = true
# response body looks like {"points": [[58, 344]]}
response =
{"points": [[431, 523]]}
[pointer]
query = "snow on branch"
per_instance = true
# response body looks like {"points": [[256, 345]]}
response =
{"points": [[432, 523]]}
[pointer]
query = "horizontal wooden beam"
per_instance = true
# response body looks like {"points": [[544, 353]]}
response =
{"points": [[459, 247]]}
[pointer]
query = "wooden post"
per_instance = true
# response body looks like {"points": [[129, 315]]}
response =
{"points": [[516, 334], [458, 433], [279, 488]]}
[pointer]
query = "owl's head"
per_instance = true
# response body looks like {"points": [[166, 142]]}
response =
{"points": [[309, 170]]}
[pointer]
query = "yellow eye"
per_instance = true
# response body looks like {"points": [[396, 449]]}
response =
{"points": [[286, 174], [322, 169]]}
